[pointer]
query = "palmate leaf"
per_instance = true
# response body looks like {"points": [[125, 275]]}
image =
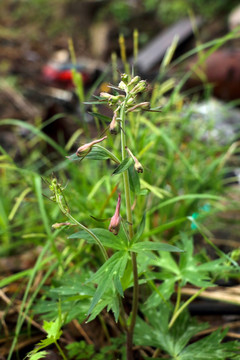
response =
{"points": [[210, 347], [74, 308], [155, 332], [109, 300], [110, 273], [75, 298], [107, 238], [153, 246], [38, 356], [53, 329], [189, 269]]}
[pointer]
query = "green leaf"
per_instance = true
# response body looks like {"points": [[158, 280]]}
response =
{"points": [[191, 268], [98, 153], [140, 230], [41, 345], [155, 332], [38, 356], [109, 300], [107, 238], [210, 347], [111, 270], [125, 164], [95, 102], [101, 117], [134, 180], [73, 157], [147, 245], [53, 329], [160, 193]]}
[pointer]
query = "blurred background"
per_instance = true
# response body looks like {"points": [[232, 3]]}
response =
{"points": [[34, 45]]}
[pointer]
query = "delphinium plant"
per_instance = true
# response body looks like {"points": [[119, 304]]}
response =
{"points": [[130, 258], [119, 271]]}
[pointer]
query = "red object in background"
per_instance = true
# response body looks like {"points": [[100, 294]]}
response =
{"points": [[222, 70], [63, 74]]}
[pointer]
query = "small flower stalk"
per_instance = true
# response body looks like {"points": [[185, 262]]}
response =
{"points": [[85, 149], [115, 222], [137, 165]]}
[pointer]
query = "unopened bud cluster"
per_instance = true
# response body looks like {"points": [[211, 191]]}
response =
{"points": [[131, 87]]}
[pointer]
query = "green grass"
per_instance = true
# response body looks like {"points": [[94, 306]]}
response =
{"points": [[182, 191]]}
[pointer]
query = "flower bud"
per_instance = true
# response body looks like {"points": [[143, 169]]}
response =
{"points": [[105, 95], [123, 86], [115, 222], [137, 165], [130, 101], [134, 81], [113, 127], [59, 225], [85, 149], [124, 78], [140, 87], [114, 99], [144, 106]]}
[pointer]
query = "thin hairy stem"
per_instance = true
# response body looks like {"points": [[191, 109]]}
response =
{"points": [[70, 217], [130, 229], [60, 350]]}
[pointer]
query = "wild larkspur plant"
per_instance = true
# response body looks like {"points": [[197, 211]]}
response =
{"points": [[110, 276], [120, 269]]}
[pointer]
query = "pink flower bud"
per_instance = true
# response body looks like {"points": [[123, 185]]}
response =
{"points": [[85, 149], [113, 127], [115, 222], [59, 225]]}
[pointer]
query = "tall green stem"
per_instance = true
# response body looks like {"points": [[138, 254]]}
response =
{"points": [[126, 185]]}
